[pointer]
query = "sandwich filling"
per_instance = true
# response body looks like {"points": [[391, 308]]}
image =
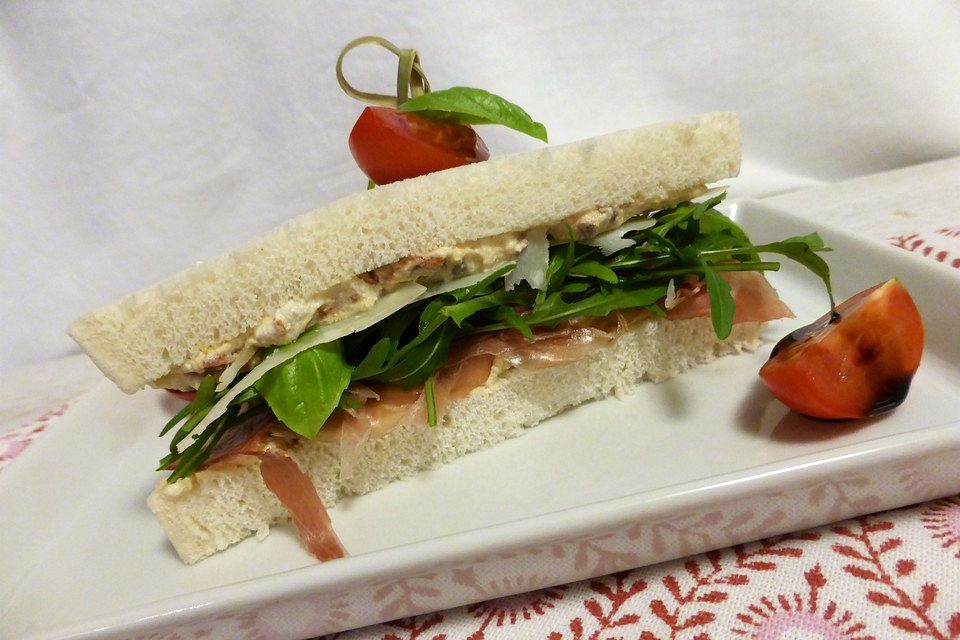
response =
{"points": [[350, 381], [360, 293]]}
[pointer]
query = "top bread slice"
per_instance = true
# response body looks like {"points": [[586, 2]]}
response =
{"points": [[140, 338]]}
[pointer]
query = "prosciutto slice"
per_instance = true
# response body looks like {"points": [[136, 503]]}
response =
{"points": [[471, 359], [281, 475], [756, 300], [393, 407], [296, 492]]}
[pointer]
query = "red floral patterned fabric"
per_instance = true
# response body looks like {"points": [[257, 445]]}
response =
{"points": [[941, 245], [890, 575]]}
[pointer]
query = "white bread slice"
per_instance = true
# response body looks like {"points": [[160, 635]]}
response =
{"points": [[142, 337], [220, 506]]}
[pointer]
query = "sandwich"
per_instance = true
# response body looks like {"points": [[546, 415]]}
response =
{"points": [[400, 328]]}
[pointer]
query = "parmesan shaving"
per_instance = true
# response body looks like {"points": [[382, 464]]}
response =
{"points": [[238, 363], [670, 301], [613, 240], [532, 262]]}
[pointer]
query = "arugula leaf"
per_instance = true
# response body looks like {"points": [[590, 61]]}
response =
{"points": [[561, 261], [801, 249], [194, 455], [484, 286], [460, 311], [376, 360], [429, 397], [248, 395], [509, 316], [468, 105], [202, 402], [420, 362], [721, 301], [305, 390], [554, 310], [594, 269]]}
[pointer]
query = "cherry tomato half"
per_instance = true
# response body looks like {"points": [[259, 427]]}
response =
{"points": [[390, 145], [854, 364]]}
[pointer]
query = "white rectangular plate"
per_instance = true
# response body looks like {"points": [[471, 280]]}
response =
{"points": [[702, 461]]}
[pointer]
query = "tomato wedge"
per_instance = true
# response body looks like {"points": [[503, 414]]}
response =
{"points": [[389, 145], [856, 363]]}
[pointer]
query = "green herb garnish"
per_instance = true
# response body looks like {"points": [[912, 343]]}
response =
{"points": [[305, 390], [468, 105], [463, 105]]}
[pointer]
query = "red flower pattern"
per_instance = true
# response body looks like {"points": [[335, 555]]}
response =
{"points": [[943, 518], [778, 617], [876, 558], [858, 580], [929, 246], [14, 443]]}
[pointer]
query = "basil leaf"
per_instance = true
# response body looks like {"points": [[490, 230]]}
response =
{"points": [[468, 105], [305, 390]]}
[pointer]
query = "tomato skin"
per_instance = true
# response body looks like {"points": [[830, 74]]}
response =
{"points": [[390, 145], [856, 364]]}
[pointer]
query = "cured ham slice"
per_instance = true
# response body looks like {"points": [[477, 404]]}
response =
{"points": [[393, 407], [296, 492], [756, 300], [281, 475]]}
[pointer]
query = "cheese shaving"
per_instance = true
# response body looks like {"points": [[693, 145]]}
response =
{"points": [[532, 262], [613, 240]]}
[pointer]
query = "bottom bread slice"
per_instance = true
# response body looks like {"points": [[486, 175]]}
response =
{"points": [[228, 502]]}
